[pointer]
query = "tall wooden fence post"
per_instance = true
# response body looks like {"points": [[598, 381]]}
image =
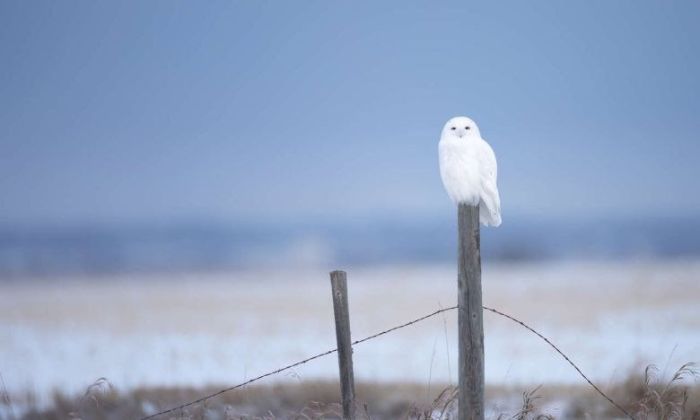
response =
{"points": [[339, 288], [471, 316]]}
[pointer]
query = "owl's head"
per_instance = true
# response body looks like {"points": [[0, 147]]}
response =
{"points": [[460, 127]]}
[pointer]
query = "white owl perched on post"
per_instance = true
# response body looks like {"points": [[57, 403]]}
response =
{"points": [[468, 169]]}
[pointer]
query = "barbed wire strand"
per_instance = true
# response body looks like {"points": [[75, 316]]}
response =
{"points": [[293, 365], [373, 336], [524, 325]]}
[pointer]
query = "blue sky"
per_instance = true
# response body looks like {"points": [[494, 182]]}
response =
{"points": [[240, 110]]}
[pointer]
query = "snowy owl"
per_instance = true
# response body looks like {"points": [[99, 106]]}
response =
{"points": [[468, 169]]}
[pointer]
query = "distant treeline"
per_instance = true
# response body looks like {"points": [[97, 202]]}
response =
{"points": [[197, 246]]}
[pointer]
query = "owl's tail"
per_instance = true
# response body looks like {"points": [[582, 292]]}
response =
{"points": [[490, 213]]}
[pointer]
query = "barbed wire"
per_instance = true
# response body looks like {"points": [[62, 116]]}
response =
{"points": [[496, 311], [373, 336], [293, 365]]}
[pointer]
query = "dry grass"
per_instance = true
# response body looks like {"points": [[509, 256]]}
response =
{"points": [[648, 397], [529, 409], [666, 400]]}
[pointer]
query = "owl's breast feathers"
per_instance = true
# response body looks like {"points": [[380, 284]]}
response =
{"points": [[459, 169]]}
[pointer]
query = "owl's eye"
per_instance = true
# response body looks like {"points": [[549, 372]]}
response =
{"points": [[467, 128], [454, 128]]}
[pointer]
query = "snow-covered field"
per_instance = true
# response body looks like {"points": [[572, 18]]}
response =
{"points": [[198, 329]]}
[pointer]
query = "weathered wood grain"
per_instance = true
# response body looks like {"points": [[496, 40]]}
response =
{"points": [[471, 315], [342, 332]]}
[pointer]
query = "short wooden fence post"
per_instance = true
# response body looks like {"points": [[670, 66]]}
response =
{"points": [[339, 288]]}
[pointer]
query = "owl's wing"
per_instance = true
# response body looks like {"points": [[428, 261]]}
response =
{"points": [[490, 205]]}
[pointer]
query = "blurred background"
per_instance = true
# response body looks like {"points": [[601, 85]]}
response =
{"points": [[157, 158]]}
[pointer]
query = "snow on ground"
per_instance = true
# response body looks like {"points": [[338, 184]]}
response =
{"points": [[198, 329]]}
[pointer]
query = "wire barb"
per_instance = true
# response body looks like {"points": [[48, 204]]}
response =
{"points": [[379, 334]]}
